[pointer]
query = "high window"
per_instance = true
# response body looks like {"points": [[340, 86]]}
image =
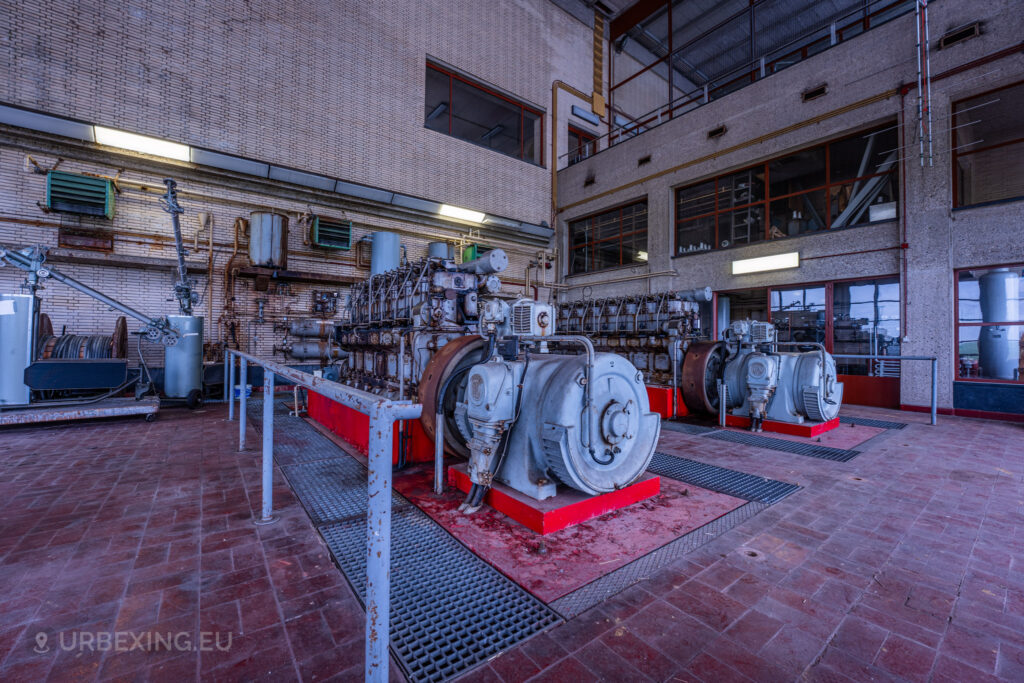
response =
{"points": [[990, 323], [988, 147], [841, 184], [612, 238], [470, 111], [581, 145]]}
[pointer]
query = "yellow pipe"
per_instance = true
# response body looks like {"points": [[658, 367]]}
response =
{"points": [[555, 87]]}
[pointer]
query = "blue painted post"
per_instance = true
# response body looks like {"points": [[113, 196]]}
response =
{"points": [[935, 390], [267, 512], [229, 359], [242, 378], [378, 546]]}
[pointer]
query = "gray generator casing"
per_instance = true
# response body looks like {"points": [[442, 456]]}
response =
{"points": [[17, 317], [183, 362]]}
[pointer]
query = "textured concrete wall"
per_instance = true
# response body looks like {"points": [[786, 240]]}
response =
{"points": [[939, 238]]}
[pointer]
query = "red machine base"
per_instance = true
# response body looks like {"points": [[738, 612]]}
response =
{"points": [[568, 508], [807, 429], [661, 402], [354, 428]]}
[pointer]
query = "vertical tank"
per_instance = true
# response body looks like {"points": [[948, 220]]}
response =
{"points": [[17, 318], [386, 252], [183, 362], [268, 239], [441, 250], [998, 345]]}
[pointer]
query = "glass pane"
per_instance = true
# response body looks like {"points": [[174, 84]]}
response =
{"points": [[581, 232], [864, 154], [606, 255], [696, 235], [532, 137], [483, 119], [695, 200], [747, 304], [797, 172], [741, 188], [436, 104], [991, 352], [990, 119], [864, 201], [797, 215], [743, 226], [799, 314], [990, 175], [620, 236], [995, 295], [866, 321], [579, 262]]}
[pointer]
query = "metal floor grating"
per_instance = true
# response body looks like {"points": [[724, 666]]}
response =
{"points": [[294, 441], [333, 490], [450, 610], [809, 449], [599, 590], [749, 487], [869, 422], [687, 428]]}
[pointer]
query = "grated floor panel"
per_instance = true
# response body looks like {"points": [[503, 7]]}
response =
{"points": [[749, 487], [797, 447], [687, 428], [869, 422]]}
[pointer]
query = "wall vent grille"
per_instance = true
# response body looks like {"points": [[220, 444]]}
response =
{"points": [[79, 194], [332, 234]]}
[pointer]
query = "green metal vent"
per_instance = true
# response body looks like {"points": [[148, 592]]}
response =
{"points": [[80, 194], [330, 234]]}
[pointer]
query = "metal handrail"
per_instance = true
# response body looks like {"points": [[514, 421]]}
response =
{"points": [[383, 413], [935, 373]]}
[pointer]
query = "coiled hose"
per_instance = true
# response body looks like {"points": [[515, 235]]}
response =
{"points": [[76, 346]]}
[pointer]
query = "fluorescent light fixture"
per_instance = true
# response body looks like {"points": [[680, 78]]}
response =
{"points": [[642, 255], [462, 214], [758, 265], [141, 143]]}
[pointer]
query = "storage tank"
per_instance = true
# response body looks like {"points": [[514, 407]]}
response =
{"points": [[385, 252], [441, 250], [17, 316], [998, 345], [183, 362], [268, 239]]}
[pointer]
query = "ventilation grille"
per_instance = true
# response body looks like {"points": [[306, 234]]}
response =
{"points": [[329, 234], [958, 35], [79, 194], [522, 316]]}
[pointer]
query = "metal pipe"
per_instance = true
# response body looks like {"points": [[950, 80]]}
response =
{"points": [[439, 454], [935, 374], [677, 345], [589, 346], [229, 360], [242, 380], [267, 510], [378, 545], [935, 390], [723, 390], [401, 366]]}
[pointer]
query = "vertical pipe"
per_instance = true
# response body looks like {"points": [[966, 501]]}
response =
{"points": [[378, 546], [722, 391], [267, 511], [229, 358], [675, 377], [243, 378], [439, 453], [935, 389]]}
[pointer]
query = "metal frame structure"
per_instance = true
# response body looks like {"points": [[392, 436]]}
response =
{"points": [[382, 413], [590, 246], [958, 324], [935, 373]]}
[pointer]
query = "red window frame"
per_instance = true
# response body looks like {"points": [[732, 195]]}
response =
{"points": [[585, 139], [769, 198], [523, 109], [955, 147], [591, 246], [957, 324]]}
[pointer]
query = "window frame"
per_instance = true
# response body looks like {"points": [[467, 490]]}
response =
{"points": [[524, 108], [766, 202], [957, 325], [570, 248], [955, 154], [587, 138]]}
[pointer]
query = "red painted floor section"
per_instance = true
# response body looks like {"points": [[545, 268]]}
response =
{"points": [[555, 564], [806, 429], [904, 564]]}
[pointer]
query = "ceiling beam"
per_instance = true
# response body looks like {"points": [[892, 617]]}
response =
{"points": [[633, 15]]}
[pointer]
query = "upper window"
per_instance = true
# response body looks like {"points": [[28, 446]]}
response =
{"points": [[990, 316], [470, 111], [581, 145], [848, 182], [609, 239], [988, 147]]}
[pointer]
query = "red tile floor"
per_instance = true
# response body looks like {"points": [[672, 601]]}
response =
{"points": [[906, 563]]}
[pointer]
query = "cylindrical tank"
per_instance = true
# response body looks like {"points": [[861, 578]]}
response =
{"points": [[385, 252], [701, 294], [441, 250], [493, 261], [315, 350], [311, 327], [998, 345], [268, 239], [183, 362]]}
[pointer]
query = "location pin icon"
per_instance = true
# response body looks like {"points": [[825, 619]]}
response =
{"points": [[41, 639]]}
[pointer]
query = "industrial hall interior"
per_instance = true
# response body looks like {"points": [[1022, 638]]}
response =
{"points": [[512, 340]]}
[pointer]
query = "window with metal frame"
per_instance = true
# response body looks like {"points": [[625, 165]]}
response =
{"points": [[617, 237], [990, 323], [582, 145], [988, 147], [848, 182], [470, 111]]}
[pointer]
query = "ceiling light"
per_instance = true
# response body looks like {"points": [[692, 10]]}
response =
{"points": [[758, 265], [141, 143], [462, 214], [642, 255]]}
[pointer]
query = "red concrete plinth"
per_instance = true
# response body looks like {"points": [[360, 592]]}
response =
{"points": [[568, 508], [805, 429], [354, 428], [661, 402]]}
